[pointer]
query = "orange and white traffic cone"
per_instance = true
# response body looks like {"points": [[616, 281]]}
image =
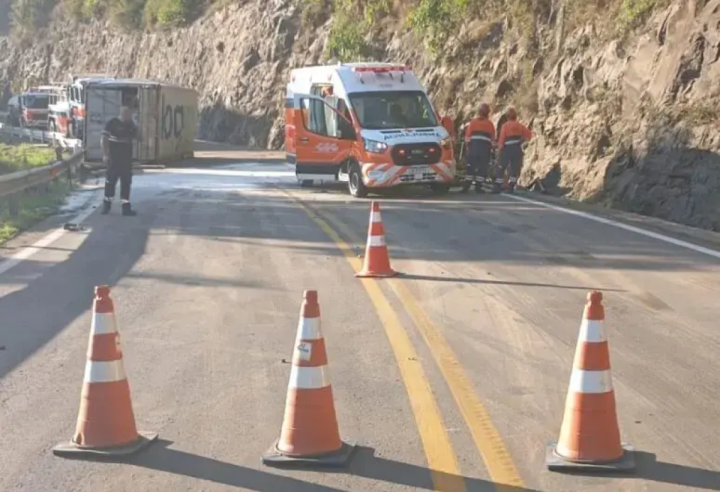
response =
{"points": [[590, 435], [377, 260], [106, 422], [310, 434]]}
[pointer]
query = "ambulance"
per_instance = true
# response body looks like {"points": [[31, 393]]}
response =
{"points": [[370, 125]]}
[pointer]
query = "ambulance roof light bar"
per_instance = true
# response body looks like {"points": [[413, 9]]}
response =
{"points": [[359, 70], [381, 69]]}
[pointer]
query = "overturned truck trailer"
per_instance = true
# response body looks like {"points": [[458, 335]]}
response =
{"points": [[166, 117]]}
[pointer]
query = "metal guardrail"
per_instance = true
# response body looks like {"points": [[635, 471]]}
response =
{"points": [[14, 185], [42, 136]]}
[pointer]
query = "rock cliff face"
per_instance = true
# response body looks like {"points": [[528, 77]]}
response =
{"points": [[630, 121]]}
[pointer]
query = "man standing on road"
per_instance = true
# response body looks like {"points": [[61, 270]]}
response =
{"points": [[117, 146]]}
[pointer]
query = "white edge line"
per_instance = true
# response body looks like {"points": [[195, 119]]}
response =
{"points": [[50, 238], [620, 225]]}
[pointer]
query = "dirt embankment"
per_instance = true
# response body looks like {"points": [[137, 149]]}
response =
{"points": [[629, 119]]}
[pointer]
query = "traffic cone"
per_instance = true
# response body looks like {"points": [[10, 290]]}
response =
{"points": [[590, 435], [106, 422], [310, 435], [377, 260]]}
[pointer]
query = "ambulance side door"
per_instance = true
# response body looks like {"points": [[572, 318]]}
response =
{"points": [[319, 144]]}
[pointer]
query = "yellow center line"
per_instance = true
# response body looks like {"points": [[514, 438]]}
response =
{"points": [[439, 451], [488, 441]]}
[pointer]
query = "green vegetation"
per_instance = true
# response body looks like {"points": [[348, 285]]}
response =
{"points": [[436, 20], [32, 207], [353, 21], [634, 12], [24, 156]]}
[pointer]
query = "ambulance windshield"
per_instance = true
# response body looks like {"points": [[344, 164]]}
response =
{"points": [[393, 109]]}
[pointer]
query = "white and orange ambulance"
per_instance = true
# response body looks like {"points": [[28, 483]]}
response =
{"points": [[370, 125]]}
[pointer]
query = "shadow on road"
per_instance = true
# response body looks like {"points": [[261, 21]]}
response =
{"points": [[364, 464], [651, 470], [491, 230], [33, 316], [502, 282], [367, 465], [658, 471], [161, 458], [192, 280]]}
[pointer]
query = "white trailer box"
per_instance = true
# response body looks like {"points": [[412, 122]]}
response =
{"points": [[178, 122], [166, 117]]}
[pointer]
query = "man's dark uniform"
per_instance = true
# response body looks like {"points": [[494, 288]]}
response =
{"points": [[120, 135]]}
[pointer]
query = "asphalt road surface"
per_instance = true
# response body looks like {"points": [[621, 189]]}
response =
{"points": [[451, 377]]}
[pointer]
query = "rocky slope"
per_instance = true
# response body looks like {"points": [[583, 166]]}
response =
{"points": [[629, 120]]}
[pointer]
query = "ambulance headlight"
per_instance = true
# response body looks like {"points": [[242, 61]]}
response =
{"points": [[375, 147]]}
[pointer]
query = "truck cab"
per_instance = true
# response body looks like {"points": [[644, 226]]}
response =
{"points": [[76, 100], [58, 109], [370, 125], [34, 109]]}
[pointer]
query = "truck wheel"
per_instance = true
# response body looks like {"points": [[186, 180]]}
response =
{"points": [[355, 183], [440, 188], [306, 183]]}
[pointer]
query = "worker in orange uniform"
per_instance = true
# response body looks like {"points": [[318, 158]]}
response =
{"points": [[512, 137], [479, 142]]}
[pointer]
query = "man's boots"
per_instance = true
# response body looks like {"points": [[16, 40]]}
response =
{"points": [[106, 206], [127, 210]]}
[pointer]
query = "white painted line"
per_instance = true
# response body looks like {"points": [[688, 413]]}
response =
{"points": [[47, 240], [654, 235]]}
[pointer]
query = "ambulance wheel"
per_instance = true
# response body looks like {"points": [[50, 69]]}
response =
{"points": [[356, 187], [440, 188]]}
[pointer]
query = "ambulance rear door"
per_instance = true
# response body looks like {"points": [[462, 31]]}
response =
{"points": [[320, 145]]}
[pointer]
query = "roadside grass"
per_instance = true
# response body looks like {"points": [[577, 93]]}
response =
{"points": [[34, 206], [24, 156]]}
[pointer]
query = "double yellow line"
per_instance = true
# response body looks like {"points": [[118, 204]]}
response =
{"points": [[439, 451]]}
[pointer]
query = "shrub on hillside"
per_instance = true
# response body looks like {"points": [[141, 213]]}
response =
{"points": [[352, 21], [126, 13], [634, 12], [170, 13]]}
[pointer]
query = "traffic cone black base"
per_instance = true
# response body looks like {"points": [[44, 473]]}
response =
{"points": [[557, 463], [72, 450], [340, 458]]}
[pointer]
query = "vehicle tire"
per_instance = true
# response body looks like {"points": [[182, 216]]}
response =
{"points": [[440, 188], [356, 187], [306, 183]]}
